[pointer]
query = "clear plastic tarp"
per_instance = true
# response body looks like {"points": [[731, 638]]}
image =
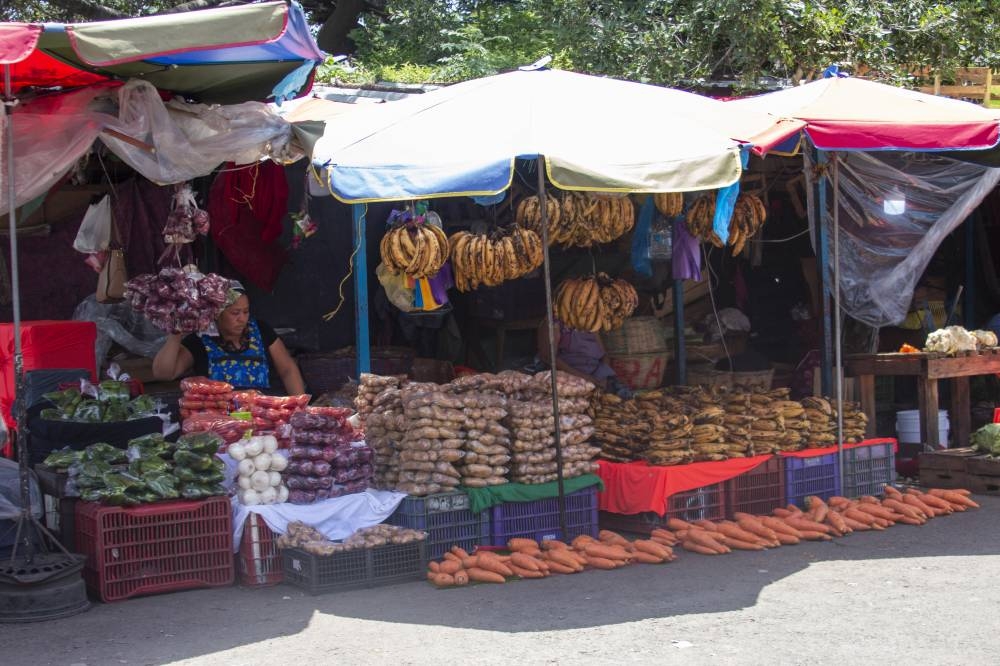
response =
{"points": [[895, 210]]}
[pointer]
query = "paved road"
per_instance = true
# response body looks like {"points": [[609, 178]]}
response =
{"points": [[922, 594]]}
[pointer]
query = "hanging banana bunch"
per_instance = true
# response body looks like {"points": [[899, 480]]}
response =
{"points": [[748, 217], [596, 303], [506, 254], [419, 250], [701, 218], [670, 204], [579, 219]]}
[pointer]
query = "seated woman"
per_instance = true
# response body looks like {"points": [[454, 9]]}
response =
{"points": [[580, 353], [247, 353]]}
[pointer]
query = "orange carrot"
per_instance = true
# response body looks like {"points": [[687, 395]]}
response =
{"points": [[907, 520], [837, 521], [452, 556], [892, 491], [783, 513], [914, 501], [565, 558], [935, 503], [557, 567], [804, 524], [491, 562], [787, 539], [661, 534], [860, 516], [526, 573], [758, 528], [678, 524], [739, 544], [878, 511], [649, 558], [703, 538], [601, 562], [855, 525], [734, 531], [707, 525], [696, 548], [462, 578], [905, 509], [815, 536], [780, 526], [582, 540], [484, 576], [607, 536], [470, 561], [817, 508]]}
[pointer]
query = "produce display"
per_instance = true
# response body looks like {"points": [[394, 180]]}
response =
{"points": [[259, 467], [955, 339], [384, 429], [107, 402], [596, 303], [532, 426], [227, 428], [749, 214], [530, 559], [178, 300], [326, 459], [578, 219], [670, 204], [418, 250], [681, 424], [369, 388], [201, 395], [506, 254], [184, 223], [149, 470], [311, 540], [822, 521]]}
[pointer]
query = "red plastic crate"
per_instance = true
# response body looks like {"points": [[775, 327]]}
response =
{"points": [[705, 503], [259, 561], [759, 491], [154, 548]]}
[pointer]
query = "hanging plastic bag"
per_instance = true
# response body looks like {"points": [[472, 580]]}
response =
{"points": [[95, 231], [395, 287]]}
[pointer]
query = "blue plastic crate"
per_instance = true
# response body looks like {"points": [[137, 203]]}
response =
{"points": [[705, 503], [539, 519], [868, 469], [759, 491], [817, 476], [447, 520]]}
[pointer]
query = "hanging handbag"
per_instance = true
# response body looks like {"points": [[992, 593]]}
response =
{"points": [[113, 276]]}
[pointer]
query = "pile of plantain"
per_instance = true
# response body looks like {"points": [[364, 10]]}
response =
{"points": [[643, 428], [670, 204], [596, 303], [419, 250], [822, 415], [488, 260], [578, 219], [749, 215]]}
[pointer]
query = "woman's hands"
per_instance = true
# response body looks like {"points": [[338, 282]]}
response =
{"points": [[287, 368]]}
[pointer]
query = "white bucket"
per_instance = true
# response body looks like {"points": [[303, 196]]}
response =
{"points": [[908, 427]]}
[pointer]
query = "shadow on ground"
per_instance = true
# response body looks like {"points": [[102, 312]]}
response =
{"points": [[190, 624]]}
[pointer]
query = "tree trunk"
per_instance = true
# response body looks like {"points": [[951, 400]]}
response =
{"points": [[333, 36]]}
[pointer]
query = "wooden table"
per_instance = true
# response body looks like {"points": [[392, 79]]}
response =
{"points": [[927, 368]]}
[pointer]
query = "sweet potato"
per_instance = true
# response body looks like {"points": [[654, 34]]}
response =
{"points": [[491, 562], [649, 558], [450, 567], [954, 497], [707, 525], [461, 578], [697, 548], [559, 568], [523, 561], [484, 576], [459, 552], [780, 526], [787, 539], [434, 567], [758, 528], [734, 531], [804, 524], [608, 552], [651, 548], [663, 535], [582, 540], [554, 544], [443, 580], [521, 572], [601, 562], [522, 544], [607, 536]]}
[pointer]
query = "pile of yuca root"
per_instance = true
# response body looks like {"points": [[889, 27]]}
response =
{"points": [[822, 521], [529, 559]]}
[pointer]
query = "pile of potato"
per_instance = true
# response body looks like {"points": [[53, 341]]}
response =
{"points": [[487, 440], [385, 427], [368, 389], [530, 420], [433, 442], [311, 540]]}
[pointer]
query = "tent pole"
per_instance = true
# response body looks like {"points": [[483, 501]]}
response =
{"points": [[550, 320], [680, 354], [19, 406], [822, 264], [837, 337], [362, 341]]}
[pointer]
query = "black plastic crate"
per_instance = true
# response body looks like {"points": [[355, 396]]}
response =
{"points": [[705, 503], [447, 520], [759, 491], [354, 569], [636, 523]]}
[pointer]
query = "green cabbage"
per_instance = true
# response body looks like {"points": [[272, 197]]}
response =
{"points": [[987, 439]]}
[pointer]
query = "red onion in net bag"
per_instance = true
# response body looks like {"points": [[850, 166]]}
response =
{"points": [[178, 301]]}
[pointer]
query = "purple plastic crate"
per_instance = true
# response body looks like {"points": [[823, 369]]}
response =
{"points": [[868, 469], [759, 491], [817, 476], [539, 519], [705, 503], [447, 520]]}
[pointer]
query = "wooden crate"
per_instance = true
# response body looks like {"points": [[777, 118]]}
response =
{"points": [[983, 475], [945, 469]]}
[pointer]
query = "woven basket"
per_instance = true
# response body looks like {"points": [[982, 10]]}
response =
{"points": [[640, 371], [706, 375], [638, 335]]}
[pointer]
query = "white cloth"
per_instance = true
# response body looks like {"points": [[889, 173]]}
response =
{"points": [[336, 518]]}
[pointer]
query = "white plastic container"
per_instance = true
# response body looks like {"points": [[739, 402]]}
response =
{"points": [[908, 427]]}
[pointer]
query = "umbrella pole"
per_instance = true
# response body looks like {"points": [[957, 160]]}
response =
{"points": [[18, 411], [363, 342], [838, 342], [549, 318]]}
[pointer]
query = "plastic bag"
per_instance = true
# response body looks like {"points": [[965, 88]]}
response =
{"points": [[204, 443], [103, 453], [395, 287], [95, 230], [10, 492], [164, 485], [119, 323], [63, 458]]}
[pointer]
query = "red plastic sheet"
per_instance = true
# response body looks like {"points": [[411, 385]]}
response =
{"points": [[46, 345], [812, 453], [637, 487]]}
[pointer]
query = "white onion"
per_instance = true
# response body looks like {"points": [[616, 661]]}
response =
{"points": [[237, 452], [275, 479], [262, 462], [270, 443], [250, 497], [260, 480], [246, 467], [282, 494], [268, 496], [254, 447], [278, 462], [244, 482]]}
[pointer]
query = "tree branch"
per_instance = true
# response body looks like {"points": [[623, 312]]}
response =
{"points": [[91, 10], [194, 5]]}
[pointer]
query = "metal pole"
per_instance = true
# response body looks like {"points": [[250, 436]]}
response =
{"points": [[22, 452], [680, 354], [837, 338], [550, 319], [969, 308], [823, 261], [363, 341]]}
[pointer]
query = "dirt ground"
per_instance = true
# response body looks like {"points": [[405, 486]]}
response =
{"points": [[921, 594]]}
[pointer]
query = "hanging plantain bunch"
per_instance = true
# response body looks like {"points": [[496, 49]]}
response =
{"points": [[419, 250], [488, 260], [748, 217], [578, 219], [596, 303], [670, 204]]}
